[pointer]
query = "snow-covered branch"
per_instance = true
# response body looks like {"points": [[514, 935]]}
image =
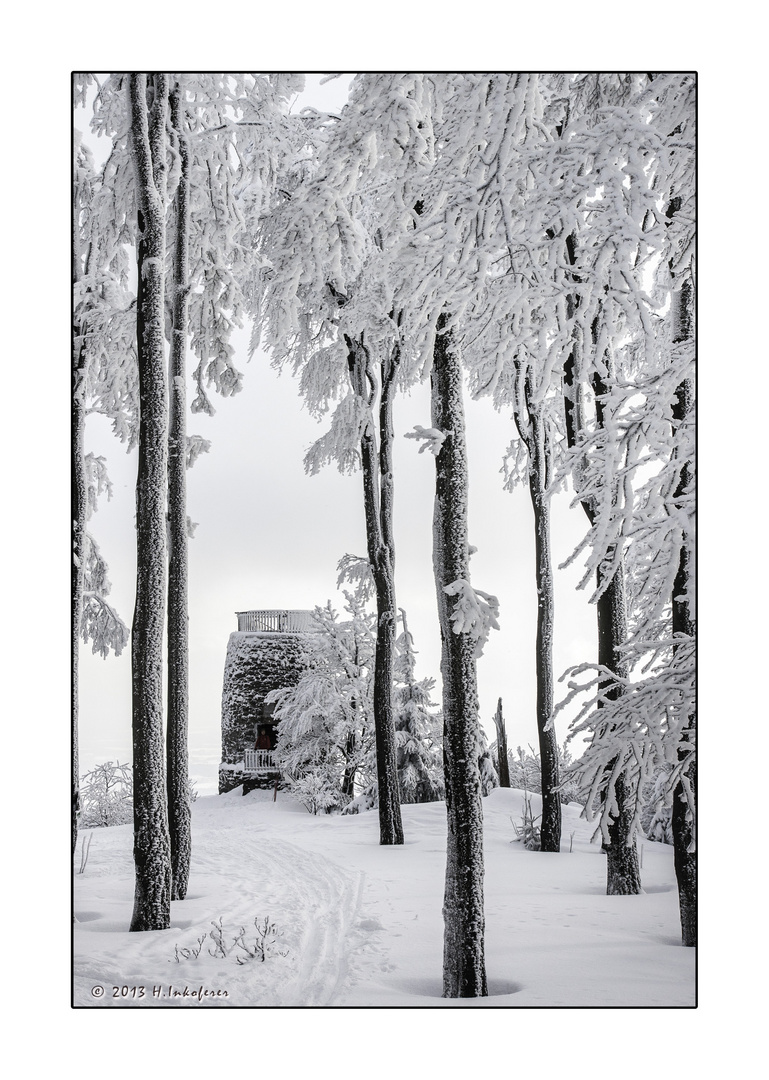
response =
{"points": [[474, 612], [432, 439]]}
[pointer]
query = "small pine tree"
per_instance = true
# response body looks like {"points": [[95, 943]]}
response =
{"points": [[418, 728]]}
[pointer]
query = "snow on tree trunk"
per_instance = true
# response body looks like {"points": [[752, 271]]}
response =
{"points": [[152, 857], [623, 875], [78, 494], [684, 807], [348, 779], [550, 829], [378, 499], [179, 810], [464, 967]]}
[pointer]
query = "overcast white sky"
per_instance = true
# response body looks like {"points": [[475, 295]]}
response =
{"points": [[270, 537]]}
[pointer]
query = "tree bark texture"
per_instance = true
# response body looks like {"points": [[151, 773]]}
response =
{"points": [[350, 769], [502, 758], [151, 839], [464, 965], [177, 764], [683, 823], [623, 875], [378, 504], [539, 469]]}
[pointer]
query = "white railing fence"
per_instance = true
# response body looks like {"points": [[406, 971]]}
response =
{"points": [[283, 622], [259, 761]]}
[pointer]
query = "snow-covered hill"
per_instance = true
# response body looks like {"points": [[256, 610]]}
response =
{"points": [[361, 925]]}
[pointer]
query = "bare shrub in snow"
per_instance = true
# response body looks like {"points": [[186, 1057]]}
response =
{"points": [[263, 945], [106, 796]]}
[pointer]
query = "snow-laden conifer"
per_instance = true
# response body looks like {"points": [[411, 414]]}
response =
{"points": [[325, 744], [418, 727]]}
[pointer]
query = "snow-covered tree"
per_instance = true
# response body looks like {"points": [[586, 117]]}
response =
{"points": [[326, 735], [329, 310], [464, 965], [148, 111], [526, 773], [94, 289], [177, 766], [631, 432], [100, 624], [508, 327], [225, 134], [78, 492], [106, 795], [418, 727]]}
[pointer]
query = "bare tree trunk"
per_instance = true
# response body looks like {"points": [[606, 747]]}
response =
{"points": [[179, 810], [151, 840], [464, 965], [502, 759], [378, 497]]}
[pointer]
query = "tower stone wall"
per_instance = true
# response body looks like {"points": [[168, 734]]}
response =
{"points": [[255, 664]]}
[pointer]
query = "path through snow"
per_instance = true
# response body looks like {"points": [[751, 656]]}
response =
{"points": [[361, 924]]}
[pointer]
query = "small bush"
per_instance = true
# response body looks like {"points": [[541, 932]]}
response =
{"points": [[528, 831], [316, 792], [106, 796]]}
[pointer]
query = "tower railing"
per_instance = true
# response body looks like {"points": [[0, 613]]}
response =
{"points": [[259, 761], [281, 621]]}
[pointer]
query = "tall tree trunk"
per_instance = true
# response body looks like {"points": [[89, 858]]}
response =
{"points": [[464, 965], [152, 856], [79, 497], [623, 873], [539, 479], [623, 876], [683, 819], [502, 759], [179, 811], [378, 500]]}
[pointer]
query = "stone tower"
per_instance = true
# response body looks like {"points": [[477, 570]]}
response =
{"points": [[263, 654]]}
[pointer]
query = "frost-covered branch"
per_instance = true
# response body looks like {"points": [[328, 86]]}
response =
{"points": [[432, 439], [474, 612]]}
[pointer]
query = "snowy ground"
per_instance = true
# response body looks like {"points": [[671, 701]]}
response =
{"points": [[361, 924]]}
